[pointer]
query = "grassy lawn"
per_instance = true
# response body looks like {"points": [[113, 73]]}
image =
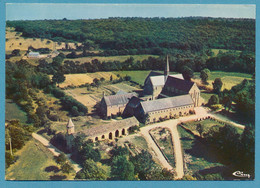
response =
{"points": [[35, 163], [206, 124], [112, 58], [206, 96], [12, 111], [229, 79], [135, 139], [196, 155], [163, 138]]}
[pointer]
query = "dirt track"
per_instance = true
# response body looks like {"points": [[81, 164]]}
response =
{"points": [[54, 150]]}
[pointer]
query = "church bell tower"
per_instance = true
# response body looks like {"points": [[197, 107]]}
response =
{"points": [[166, 70]]}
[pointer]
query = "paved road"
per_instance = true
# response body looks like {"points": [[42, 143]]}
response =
{"points": [[55, 151]]}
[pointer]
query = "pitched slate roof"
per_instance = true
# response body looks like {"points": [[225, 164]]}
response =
{"points": [[131, 106], [120, 92], [159, 80], [182, 85], [152, 73], [166, 103], [118, 99], [111, 127]]}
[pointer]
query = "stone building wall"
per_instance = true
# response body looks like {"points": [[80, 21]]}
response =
{"points": [[114, 110], [171, 112], [195, 94]]}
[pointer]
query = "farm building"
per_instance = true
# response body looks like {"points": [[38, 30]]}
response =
{"points": [[33, 55], [115, 104]]}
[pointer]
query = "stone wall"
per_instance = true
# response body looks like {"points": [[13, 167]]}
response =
{"points": [[170, 113]]}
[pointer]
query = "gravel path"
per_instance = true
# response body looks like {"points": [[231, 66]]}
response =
{"points": [[172, 126], [55, 151], [201, 112]]}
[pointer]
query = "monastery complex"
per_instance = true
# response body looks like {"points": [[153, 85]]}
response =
{"points": [[164, 97]]}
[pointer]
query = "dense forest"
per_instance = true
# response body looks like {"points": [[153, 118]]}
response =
{"points": [[146, 35]]}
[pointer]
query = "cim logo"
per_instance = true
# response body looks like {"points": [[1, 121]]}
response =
{"points": [[241, 174]]}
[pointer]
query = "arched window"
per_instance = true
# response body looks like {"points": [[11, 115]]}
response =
{"points": [[110, 136], [96, 139], [103, 137], [117, 133], [123, 131]]}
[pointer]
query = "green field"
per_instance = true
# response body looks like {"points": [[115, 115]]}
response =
{"points": [[12, 111], [206, 124], [200, 157], [112, 58], [221, 74], [35, 162], [229, 79], [137, 76], [216, 51]]}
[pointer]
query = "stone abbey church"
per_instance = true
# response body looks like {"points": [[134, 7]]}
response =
{"points": [[164, 96]]}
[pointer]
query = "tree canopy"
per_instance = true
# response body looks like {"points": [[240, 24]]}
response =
{"points": [[128, 35]]}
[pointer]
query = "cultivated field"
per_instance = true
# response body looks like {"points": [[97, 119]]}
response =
{"points": [[112, 58], [35, 163], [90, 98], [80, 79], [15, 41]]}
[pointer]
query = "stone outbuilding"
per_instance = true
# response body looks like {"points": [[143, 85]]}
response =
{"points": [[111, 130], [115, 104]]}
